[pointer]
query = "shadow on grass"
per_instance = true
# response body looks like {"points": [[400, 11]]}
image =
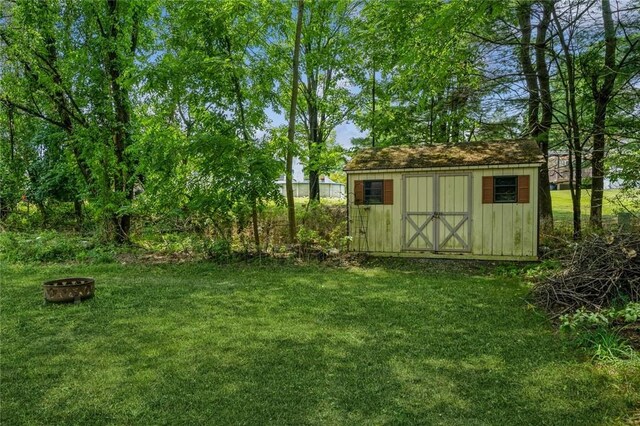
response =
{"points": [[202, 344]]}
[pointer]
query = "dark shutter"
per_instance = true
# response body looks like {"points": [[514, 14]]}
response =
{"points": [[523, 189], [358, 191], [487, 189], [388, 191]]}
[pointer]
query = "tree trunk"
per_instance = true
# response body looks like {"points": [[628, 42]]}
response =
{"points": [[524, 22], [602, 97], [122, 179], [373, 103], [573, 130], [62, 107], [538, 88], [597, 163], [575, 188], [5, 209], [256, 228], [314, 143], [314, 186], [291, 212], [77, 208], [544, 126], [316, 122], [247, 140]]}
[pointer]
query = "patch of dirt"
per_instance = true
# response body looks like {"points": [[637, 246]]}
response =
{"points": [[155, 258]]}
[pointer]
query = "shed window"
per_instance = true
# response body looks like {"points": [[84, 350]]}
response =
{"points": [[505, 189], [376, 191], [373, 192]]}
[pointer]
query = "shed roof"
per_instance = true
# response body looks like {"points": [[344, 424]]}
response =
{"points": [[522, 151]]}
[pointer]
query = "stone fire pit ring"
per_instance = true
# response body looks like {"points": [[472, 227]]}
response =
{"points": [[68, 289]]}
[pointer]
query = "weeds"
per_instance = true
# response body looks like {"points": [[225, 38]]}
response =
{"points": [[600, 331]]}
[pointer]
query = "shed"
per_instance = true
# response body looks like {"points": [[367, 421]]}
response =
{"points": [[328, 188], [474, 200]]}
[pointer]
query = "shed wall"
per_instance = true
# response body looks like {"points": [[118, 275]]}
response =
{"points": [[507, 230]]}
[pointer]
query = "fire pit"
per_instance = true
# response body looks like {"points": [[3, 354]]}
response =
{"points": [[68, 289]]}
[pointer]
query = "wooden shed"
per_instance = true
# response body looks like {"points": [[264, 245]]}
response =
{"points": [[475, 200]]}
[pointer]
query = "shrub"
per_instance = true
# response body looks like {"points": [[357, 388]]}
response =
{"points": [[219, 249], [51, 246], [601, 330], [48, 246]]}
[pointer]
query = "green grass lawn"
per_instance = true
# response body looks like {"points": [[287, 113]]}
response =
{"points": [[563, 207], [204, 344]]}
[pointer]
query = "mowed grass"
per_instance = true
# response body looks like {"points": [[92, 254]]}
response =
{"points": [[208, 344], [563, 206]]}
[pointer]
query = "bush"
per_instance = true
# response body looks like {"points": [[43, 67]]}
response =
{"points": [[48, 246], [219, 249], [51, 246], [601, 331], [583, 319], [327, 221]]}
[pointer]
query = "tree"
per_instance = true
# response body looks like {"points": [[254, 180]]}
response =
{"points": [[569, 118], [56, 52], [602, 82], [326, 98], [540, 102], [579, 75], [12, 163], [120, 39], [291, 133], [211, 87], [426, 67]]}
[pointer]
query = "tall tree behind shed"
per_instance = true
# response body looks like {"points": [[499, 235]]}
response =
{"points": [[291, 212], [539, 103]]}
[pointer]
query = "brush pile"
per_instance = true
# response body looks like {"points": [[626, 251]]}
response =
{"points": [[602, 270]]}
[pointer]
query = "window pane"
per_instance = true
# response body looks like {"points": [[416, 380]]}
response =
{"points": [[507, 181], [505, 189], [373, 192]]}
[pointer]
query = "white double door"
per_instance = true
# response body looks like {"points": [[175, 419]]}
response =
{"points": [[436, 212]]}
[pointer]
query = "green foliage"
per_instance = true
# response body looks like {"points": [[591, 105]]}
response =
{"points": [[52, 246], [98, 254], [76, 67], [427, 69], [327, 69], [585, 319], [164, 109], [608, 346], [204, 161], [328, 222], [310, 241], [624, 163], [599, 331], [542, 268], [219, 249], [529, 271], [52, 176]]}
